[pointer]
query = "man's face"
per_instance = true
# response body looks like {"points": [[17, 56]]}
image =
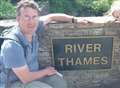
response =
{"points": [[28, 20]]}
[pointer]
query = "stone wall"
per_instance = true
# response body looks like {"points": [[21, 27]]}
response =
{"points": [[84, 78], [103, 26]]}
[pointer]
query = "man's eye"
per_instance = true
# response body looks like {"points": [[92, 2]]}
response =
{"points": [[26, 17]]}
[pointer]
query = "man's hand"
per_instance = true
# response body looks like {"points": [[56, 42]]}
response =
{"points": [[50, 71], [116, 14]]}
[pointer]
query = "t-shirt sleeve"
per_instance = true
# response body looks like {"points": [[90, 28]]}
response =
{"points": [[13, 54]]}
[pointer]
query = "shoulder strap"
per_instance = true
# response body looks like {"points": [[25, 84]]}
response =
{"points": [[1, 41], [15, 38]]}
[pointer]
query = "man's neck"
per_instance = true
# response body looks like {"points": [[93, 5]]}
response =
{"points": [[29, 37]]}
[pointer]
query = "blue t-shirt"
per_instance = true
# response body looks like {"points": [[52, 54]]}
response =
{"points": [[17, 54]]}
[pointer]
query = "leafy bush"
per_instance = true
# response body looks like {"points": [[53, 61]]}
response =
{"points": [[62, 6], [80, 7], [7, 10], [72, 7], [101, 6]]}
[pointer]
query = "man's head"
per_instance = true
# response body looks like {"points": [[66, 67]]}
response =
{"points": [[25, 4], [27, 16]]}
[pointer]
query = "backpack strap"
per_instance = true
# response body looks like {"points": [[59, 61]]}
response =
{"points": [[15, 38]]}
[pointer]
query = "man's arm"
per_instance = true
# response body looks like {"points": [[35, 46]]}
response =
{"points": [[26, 76], [57, 17]]}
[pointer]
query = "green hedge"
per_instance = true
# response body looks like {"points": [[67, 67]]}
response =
{"points": [[81, 7], [72, 7], [7, 10]]}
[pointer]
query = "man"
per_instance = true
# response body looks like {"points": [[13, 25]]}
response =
{"points": [[21, 66]]}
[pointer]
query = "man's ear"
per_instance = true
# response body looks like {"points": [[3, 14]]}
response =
{"points": [[17, 18]]}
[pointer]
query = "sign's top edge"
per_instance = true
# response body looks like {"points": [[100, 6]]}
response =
{"points": [[82, 37]]}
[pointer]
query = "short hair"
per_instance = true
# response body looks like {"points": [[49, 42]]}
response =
{"points": [[27, 3]]}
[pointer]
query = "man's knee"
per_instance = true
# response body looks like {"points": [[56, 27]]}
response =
{"points": [[37, 84], [34, 84], [60, 81], [56, 81]]}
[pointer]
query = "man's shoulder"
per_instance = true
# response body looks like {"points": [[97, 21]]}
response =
{"points": [[11, 44], [10, 30]]}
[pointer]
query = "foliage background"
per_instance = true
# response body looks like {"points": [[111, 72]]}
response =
{"points": [[81, 7], [71, 7], [7, 10]]}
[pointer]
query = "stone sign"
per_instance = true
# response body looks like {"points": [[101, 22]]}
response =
{"points": [[92, 52]]}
